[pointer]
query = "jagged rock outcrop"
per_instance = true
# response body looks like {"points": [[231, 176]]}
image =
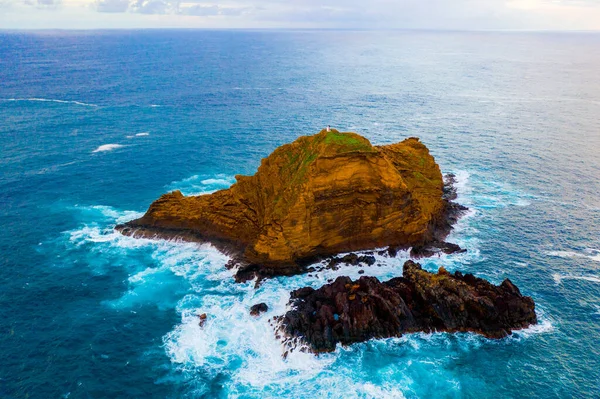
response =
{"points": [[318, 196], [347, 311]]}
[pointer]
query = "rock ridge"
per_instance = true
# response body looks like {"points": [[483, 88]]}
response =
{"points": [[348, 311]]}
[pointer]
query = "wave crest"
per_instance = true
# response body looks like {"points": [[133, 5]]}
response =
{"points": [[108, 147], [51, 100]]}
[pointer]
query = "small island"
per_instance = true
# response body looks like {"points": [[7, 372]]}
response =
{"points": [[333, 193], [319, 196]]}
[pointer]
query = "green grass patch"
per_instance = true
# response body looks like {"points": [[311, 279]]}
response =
{"points": [[347, 142]]}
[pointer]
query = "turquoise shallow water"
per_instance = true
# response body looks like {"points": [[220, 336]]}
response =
{"points": [[95, 125]]}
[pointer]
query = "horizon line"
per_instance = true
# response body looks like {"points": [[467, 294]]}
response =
{"points": [[303, 29]]}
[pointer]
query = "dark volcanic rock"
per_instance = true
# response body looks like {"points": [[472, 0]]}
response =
{"points": [[435, 247], [449, 190], [259, 308], [349, 311], [352, 259]]}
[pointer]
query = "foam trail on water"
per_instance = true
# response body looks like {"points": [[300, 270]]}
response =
{"points": [[588, 253], [222, 182], [112, 213], [558, 278], [50, 100], [202, 184], [483, 193], [108, 147], [158, 280], [464, 232], [143, 134]]}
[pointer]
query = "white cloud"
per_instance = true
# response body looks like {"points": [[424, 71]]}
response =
{"points": [[112, 5], [426, 14]]}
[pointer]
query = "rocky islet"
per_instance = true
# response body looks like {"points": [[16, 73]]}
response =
{"points": [[334, 193], [348, 311], [319, 196]]}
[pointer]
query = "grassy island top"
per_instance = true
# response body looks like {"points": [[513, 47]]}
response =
{"points": [[342, 142], [300, 154]]}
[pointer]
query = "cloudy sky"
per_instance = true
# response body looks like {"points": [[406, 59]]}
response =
{"points": [[370, 14]]}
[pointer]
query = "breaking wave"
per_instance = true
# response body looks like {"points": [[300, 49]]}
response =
{"points": [[202, 184], [108, 147]]}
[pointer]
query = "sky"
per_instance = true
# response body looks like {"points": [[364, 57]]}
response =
{"points": [[298, 14]]}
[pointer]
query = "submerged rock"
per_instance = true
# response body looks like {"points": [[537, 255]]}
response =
{"points": [[347, 311], [259, 308], [449, 187], [314, 198], [202, 317], [351, 259], [435, 247]]}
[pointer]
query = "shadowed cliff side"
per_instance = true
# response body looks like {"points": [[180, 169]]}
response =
{"points": [[318, 196]]}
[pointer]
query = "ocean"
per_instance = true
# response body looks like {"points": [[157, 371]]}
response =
{"points": [[96, 125]]}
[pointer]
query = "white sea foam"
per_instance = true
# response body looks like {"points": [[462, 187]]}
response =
{"points": [[462, 182], [108, 147], [202, 184], [143, 134], [95, 233], [484, 194], [464, 232], [230, 333], [222, 182], [117, 215], [545, 325], [589, 253], [50, 100], [558, 278], [174, 260]]}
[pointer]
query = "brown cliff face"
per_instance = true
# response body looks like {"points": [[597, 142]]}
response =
{"points": [[320, 195]]}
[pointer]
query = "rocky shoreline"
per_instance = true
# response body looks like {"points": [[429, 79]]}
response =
{"points": [[348, 311]]}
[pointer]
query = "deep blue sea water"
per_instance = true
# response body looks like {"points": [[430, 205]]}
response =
{"points": [[96, 125]]}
